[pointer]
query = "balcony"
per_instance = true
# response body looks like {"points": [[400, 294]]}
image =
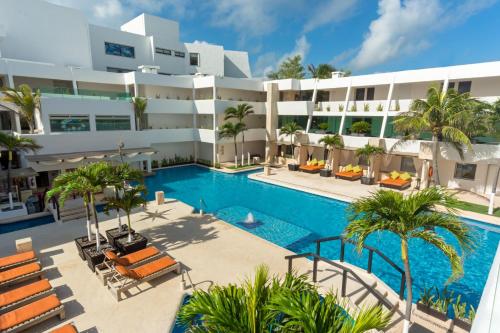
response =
{"points": [[373, 107], [170, 106], [295, 108], [336, 107], [252, 134], [84, 93], [221, 106]]}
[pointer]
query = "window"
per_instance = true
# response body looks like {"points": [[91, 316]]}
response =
{"points": [[407, 164], [194, 59], [180, 54], [119, 50], [118, 70], [465, 171], [464, 87], [370, 94], [360, 94], [67, 123], [163, 51], [451, 85], [112, 123]]}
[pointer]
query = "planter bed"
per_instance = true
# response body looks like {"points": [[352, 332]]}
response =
{"points": [[367, 181], [325, 173], [293, 167], [442, 316], [83, 243], [139, 242], [463, 324], [113, 234], [95, 257]]}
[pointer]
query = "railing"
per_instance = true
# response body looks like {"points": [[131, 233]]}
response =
{"points": [[55, 205], [345, 272], [84, 93], [371, 251]]}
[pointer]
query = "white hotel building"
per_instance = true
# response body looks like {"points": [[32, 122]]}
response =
{"points": [[88, 74]]}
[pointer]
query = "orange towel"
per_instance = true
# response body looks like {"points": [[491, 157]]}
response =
{"points": [[13, 273], [68, 328], [23, 292], [27, 312], [133, 257], [146, 269], [17, 258]]}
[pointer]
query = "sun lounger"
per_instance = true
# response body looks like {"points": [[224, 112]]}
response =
{"points": [[18, 297], [105, 270], [31, 314], [20, 274], [68, 328], [349, 175], [311, 168], [398, 183], [125, 278], [17, 260]]}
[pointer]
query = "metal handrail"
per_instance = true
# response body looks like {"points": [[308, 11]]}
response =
{"points": [[344, 240], [345, 271]]}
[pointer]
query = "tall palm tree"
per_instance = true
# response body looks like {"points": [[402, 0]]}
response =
{"points": [[13, 143], [440, 115], [130, 199], [368, 151], [331, 142], [240, 112], [140, 105], [266, 304], [119, 176], [291, 129], [232, 130], [322, 71], [27, 102], [411, 217]]}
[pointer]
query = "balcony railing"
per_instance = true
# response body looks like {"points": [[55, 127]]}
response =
{"points": [[84, 93]]}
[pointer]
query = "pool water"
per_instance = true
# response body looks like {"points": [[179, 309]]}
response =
{"points": [[29, 223], [294, 219]]}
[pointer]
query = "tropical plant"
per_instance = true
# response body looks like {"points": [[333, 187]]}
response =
{"points": [[291, 129], [380, 108], [397, 107], [232, 130], [354, 107], [427, 297], [366, 107], [240, 112], [441, 115], [361, 127], [131, 198], [331, 142], [322, 71], [409, 217], [27, 102], [323, 126], [291, 68], [368, 152], [291, 304], [13, 143], [140, 105], [341, 107]]}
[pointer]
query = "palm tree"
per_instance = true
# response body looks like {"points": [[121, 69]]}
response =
{"points": [[12, 143], [140, 105], [266, 304], [368, 151], [440, 114], [323, 71], [331, 142], [130, 199], [231, 130], [291, 129], [26, 100], [240, 112], [411, 217]]}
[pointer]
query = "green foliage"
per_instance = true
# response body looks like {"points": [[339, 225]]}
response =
{"points": [[323, 126], [26, 100], [354, 107], [140, 105], [291, 68], [380, 108], [443, 300], [366, 107], [171, 161], [323, 71], [332, 141], [361, 127], [368, 151], [341, 107], [427, 297]]}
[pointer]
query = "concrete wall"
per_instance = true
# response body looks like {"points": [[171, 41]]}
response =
{"points": [[236, 64], [170, 150]]}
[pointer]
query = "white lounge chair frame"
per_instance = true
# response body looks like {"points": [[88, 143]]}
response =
{"points": [[59, 311]]}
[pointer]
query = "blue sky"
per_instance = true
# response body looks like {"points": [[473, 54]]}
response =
{"points": [[365, 36]]}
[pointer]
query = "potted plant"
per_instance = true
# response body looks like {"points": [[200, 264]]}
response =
{"points": [[366, 107], [116, 233], [322, 127], [397, 107], [328, 108], [331, 142], [84, 242], [434, 305], [128, 245], [369, 152], [341, 107], [291, 129], [95, 257], [360, 128], [461, 318], [380, 108], [354, 108]]}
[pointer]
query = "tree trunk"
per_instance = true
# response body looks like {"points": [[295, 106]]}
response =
{"points": [[409, 293], [118, 212], [435, 150], [242, 147], [236, 152], [96, 222], [9, 166], [138, 124], [129, 229], [87, 210]]}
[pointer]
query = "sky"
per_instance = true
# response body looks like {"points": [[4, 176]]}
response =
{"points": [[365, 36]]}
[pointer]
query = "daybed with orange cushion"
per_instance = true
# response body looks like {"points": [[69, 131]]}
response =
{"points": [[18, 297], [31, 314], [397, 181], [125, 278], [68, 328], [17, 260], [313, 166], [105, 270], [350, 173], [20, 274]]}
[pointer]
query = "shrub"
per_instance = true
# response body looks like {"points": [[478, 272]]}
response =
{"points": [[397, 106], [155, 164], [323, 126], [366, 107], [341, 107], [360, 127], [380, 108], [354, 108]]}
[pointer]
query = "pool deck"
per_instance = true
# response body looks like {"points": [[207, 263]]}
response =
{"points": [[349, 191]]}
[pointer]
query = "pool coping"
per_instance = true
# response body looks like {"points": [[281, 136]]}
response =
{"points": [[462, 213]]}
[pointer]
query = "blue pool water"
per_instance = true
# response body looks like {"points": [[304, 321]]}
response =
{"points": [[29, 223], [294, 219]]}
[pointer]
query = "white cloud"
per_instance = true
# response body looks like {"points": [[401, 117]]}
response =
{"points": [[332, 11], [406, 27], [302, 47], [108, 9]]}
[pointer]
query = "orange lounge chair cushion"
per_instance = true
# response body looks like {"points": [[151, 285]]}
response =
{"points": [[133, 257], [68, 328], [348, 174], [311, 167], [13, 273], [23, 292], [146, 269], [29, 311], [17, 258], [395, 182]]}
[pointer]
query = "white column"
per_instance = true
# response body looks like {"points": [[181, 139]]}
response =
{"points": [[73, 81], [195, 126], [346, 105], [386, 109], [491, 205], [313, 99], [446, 83], [148, 165], [10, 84]]}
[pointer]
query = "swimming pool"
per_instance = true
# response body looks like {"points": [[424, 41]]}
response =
{"points": [[24, 224], [293, 219]]}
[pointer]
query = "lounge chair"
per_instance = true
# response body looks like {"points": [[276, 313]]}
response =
{"points": [[68, 328], [18, 297], [105, 270], [313, 166], [31, 314], [125, 278], [397, 181], [20, 274], [17, 260], [350, 173]]}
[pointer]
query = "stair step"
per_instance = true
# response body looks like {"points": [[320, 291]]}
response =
{"points": [[366, 293]]}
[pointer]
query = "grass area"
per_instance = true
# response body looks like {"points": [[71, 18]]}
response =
{"points": [[241, 167], [472, 207]]}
